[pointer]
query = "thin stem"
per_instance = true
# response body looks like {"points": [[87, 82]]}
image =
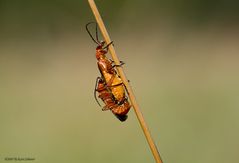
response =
{"points": [[138, 113]]}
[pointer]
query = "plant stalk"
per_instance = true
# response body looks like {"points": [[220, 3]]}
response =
{"points": [[132, 98]]}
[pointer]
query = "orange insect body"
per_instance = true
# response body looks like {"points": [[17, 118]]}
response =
{"points": [[122, 109], [109, 86], [119, 110], [110, 75]]}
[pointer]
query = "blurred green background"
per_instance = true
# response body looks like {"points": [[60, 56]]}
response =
{"points": [[181, 59]]}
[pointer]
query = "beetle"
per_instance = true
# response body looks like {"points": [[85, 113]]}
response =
{"points": [[106, 67], [120, 110], [113, 85]]}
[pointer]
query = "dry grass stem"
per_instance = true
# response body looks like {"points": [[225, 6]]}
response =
{"points": [[139, 115]]}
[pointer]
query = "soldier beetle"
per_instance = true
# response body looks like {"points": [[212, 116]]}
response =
{"points": [[120, 110], [110, 82]]}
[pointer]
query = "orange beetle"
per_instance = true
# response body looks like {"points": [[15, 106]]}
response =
{"points": [[113, 85], [120, 110]]}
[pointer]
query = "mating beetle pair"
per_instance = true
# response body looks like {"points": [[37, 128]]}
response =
{"points": [[109, 86]]}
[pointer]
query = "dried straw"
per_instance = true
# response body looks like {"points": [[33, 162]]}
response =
{"points": [[138, 113]]}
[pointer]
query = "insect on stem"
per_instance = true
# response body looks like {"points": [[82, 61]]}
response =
{"points": [[135, 105]]}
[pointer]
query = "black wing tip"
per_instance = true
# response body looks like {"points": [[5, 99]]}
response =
{"points": [[122, 118]]}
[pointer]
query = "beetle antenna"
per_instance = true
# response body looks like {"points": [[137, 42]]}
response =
{"points": [[96, 32], [87, 29]]}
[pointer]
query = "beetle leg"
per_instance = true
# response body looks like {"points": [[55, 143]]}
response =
{"points": [[96, 85], [126, 89], [114, 61], [121, 64], [105, 108], [107, 46]]}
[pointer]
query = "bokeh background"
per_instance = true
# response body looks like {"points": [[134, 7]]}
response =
{"points": [[181, 59]]}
